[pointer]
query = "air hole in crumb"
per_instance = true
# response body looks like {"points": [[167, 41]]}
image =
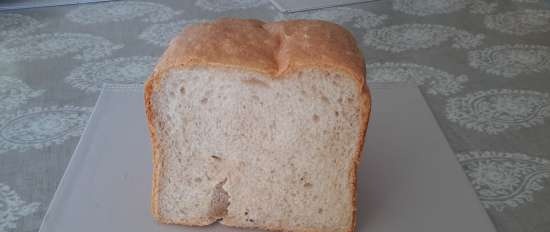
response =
{"points": [[219, 202], [315, 118], [302, 178], [255, 97], [245, 213], [339, 100], [215, 157], [308, 185], [336, 113], [204, 100], [350, 99], [320, 210], [324, 99], [198, 179], [182, 90]]}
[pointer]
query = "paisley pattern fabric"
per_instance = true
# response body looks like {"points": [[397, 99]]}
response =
{"points": [[17, 24], [482, 66], [482, 6], [14, 92], [160, 34], [439, 82], [12, 208], [45, 46], [225, 5], [341, 15], [405, 37], [431, 7], [526, 1], [505, 180], [126, 70], [495, 111], [121, 11], [521, 22], [511, 60], [427, 7], [41, 127]]}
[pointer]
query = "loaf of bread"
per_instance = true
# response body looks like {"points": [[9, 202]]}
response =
{"points": [[258, 125]]}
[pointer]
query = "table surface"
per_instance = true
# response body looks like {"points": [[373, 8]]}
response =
{"points": [[482, 66]]}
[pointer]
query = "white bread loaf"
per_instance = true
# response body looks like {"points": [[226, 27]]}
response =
{"points": [[258, 125]]}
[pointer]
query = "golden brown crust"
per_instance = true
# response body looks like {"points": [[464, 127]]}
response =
{"points": [[275, 49], [272, 48], [148, 93]]}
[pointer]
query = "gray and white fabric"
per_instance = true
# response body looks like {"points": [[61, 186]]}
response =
{"points": [[482, 65]]}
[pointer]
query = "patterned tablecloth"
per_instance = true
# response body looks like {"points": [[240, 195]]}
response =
{"points": [[482, 66]]}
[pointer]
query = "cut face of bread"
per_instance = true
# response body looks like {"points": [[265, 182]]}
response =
{"points": [[249, 149]]}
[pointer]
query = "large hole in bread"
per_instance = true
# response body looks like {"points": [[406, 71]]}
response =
{"points": [[219, 202]]}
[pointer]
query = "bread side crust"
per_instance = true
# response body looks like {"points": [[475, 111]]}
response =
{"points": [[274, 49], [365, 116]]}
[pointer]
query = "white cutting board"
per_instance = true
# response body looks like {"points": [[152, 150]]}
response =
{"points": [[409, 179]]}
